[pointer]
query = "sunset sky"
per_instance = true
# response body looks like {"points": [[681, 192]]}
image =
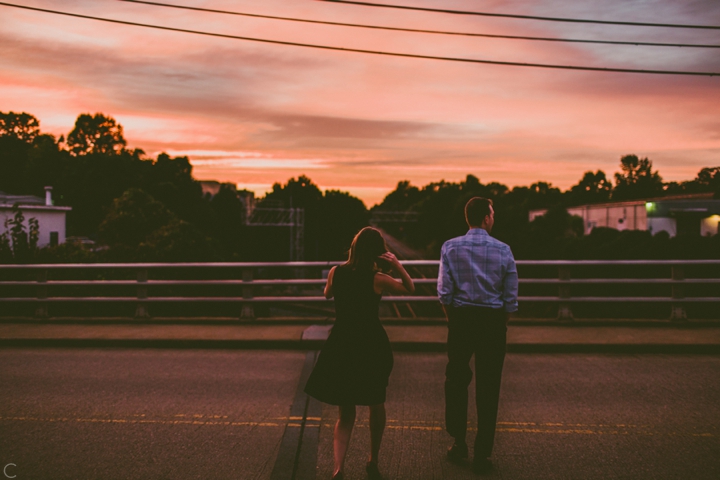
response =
{"points": [[255, 114]]}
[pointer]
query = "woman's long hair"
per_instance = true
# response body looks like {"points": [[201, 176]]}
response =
{"points": [[365, 249]]}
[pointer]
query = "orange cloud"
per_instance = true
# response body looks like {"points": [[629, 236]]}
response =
{"points": [[255, 114]]}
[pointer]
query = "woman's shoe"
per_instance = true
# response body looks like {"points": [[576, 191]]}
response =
{"points": [[338, 476], [372, 470], [458, 452]]}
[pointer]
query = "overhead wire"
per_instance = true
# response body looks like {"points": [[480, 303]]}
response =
{"points": [[523, 17], [418, 30], [357, 50]]}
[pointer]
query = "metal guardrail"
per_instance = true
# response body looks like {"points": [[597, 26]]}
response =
{"points": [[247, 282]]}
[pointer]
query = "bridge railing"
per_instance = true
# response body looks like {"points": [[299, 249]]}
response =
{"points": [[37, 283]]}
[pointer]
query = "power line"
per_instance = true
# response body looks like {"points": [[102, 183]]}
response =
{"points": [[371, 52], [417, 30], [524, 17]]}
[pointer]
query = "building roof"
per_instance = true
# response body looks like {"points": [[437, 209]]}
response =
{"points": [[27, 202], [703, 200], [6, 198], [51, 208], [669, 208]]}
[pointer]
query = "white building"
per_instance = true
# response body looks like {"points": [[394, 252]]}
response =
{"points": [[51, 219], [686, 214]]}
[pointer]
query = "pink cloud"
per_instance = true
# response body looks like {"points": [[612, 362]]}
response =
{"points": [[362, 122]]}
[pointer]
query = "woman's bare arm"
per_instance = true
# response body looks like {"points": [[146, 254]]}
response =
{"points": [[328, 285], [387, 284]]}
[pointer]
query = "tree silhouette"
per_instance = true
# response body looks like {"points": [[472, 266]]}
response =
{"points": [[636, 179], [96, 134], [22, 126], [18, 244], [403, 198], [138, 227], [17, 132], [342, 216], [709, 180], [302, 193], [229, 220], [170, 181], [132, 218], [592, 188]]}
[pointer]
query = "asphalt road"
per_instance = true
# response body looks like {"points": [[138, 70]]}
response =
{"points": [[177, 414]]}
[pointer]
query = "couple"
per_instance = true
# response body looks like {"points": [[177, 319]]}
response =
{"points": [[477, 287]]}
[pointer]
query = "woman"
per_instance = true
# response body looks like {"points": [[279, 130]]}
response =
{"points": [[355, 363]]}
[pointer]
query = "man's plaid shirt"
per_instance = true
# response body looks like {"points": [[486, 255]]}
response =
{"points": [[477, 270]]}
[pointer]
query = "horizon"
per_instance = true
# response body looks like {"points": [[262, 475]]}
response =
{"points": [[250, 113], [260, 190]]}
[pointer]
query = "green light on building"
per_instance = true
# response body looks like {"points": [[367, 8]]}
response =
{"points": [[649, 206]]}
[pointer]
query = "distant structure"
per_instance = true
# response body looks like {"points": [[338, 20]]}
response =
{"points": [[51, 219], [697, 214], [293, 218], [248, 200], [267, 214], [212, 187]]}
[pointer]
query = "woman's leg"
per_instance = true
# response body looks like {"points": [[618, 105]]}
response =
{"points": [[377, 427], [343, 430]]}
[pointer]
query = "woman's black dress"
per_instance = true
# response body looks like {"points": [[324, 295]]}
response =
{"points": [[355, 363]]}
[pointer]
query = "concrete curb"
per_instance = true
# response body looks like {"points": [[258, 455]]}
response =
{"points": [[213, 321], [605, 348]]}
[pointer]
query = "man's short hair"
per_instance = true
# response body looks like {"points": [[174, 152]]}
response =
{"points": [[476, 209]]}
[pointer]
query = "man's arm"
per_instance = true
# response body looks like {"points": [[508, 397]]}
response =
{"points": [[445, 283], [510, 285]]}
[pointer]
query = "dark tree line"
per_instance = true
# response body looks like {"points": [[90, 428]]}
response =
{"points": [[440, 207], [557, 234], [143, 209]]}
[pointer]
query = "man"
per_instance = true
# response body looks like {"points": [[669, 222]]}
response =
{"points": [[477, 286]]}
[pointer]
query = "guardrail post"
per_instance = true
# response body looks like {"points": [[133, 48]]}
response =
{"points": [[564, 310], [678, 314], [248, 311], [41, 309], [141, 310], [297, 274]]}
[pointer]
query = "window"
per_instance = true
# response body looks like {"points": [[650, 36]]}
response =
{"points": [[54, 238]]}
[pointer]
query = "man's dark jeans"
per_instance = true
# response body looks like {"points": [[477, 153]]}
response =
{"points": [[480, 331]]}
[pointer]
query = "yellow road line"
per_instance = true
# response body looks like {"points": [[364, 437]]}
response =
{"points": [[555, 424], [431, 426], [144, 421]]}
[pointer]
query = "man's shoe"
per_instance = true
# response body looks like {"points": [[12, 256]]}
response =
{"points": [[482, 465], [458, 452]]}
